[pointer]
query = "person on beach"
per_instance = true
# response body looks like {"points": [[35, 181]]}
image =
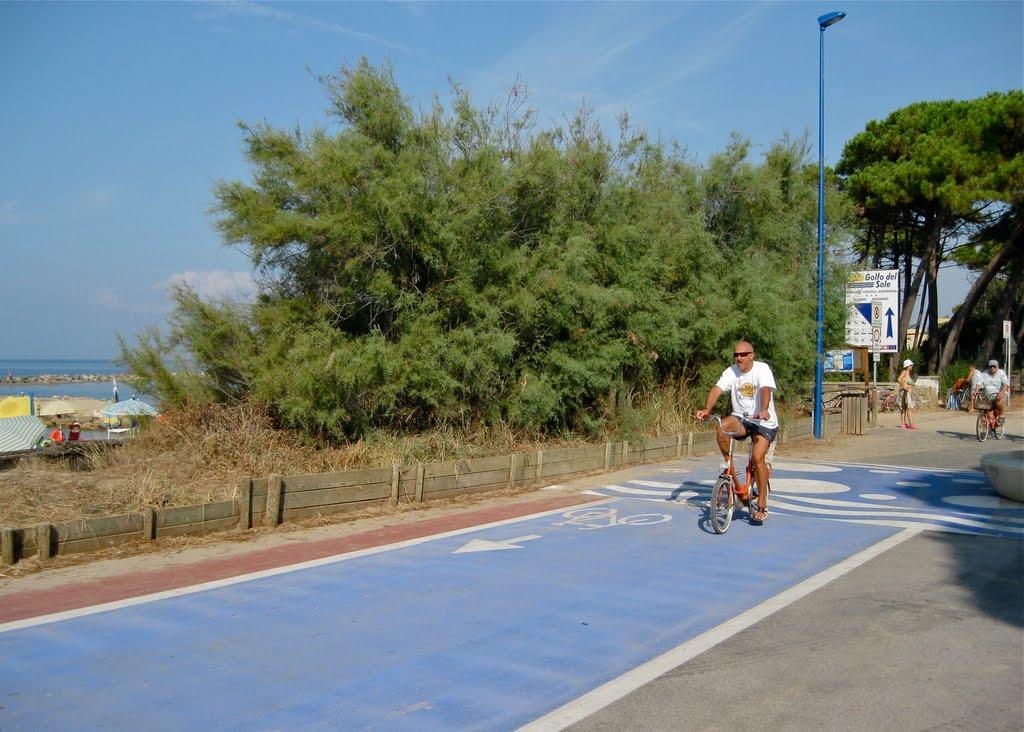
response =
{"points": [[964, 388], [906, 396], [751, 387]]}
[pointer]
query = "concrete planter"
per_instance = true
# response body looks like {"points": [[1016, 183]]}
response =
{"points": [[1005, 471]]}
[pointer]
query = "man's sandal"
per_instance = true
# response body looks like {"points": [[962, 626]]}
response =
{"points": [[759, 515]]}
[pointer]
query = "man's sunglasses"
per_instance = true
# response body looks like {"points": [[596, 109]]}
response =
{"points": [[737, 354]]}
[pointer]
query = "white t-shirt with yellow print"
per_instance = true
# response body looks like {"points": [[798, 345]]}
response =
{"points": [[743, 388]]}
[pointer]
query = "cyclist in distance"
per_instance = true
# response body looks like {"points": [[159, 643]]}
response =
{"points": [[751, 386], [994, 385]]}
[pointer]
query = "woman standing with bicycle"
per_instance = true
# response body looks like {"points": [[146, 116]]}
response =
{"points": [[906, 397]]}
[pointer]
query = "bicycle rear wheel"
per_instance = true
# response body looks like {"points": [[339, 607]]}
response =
{"points": [[997, 431], [722, 504], [982, 427]]}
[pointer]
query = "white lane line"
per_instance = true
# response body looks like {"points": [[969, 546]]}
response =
{"points": [[682, 498], [805, 467], [984, 502], [884, 511], [898, 468], [655, 483], [227, 581], [939, 512], [807, 485], [907, 524], [633, 491], [630, 681]]}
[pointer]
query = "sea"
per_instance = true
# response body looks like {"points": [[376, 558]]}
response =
{"points": [[102, 389]]}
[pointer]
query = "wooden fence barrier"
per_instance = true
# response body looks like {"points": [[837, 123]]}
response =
{"points": [[279, 498]]}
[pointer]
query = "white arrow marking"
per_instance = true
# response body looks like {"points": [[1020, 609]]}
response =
{"points": [[483, 545]]}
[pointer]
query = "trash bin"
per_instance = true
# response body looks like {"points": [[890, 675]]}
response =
{"points": [[855, 411]]}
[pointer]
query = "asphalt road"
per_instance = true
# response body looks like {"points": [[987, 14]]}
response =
{"points": [[928, 635]]}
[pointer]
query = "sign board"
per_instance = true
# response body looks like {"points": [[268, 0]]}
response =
{"points": [[866, 290], [877, 323], [1007, 324], [839, 361]]}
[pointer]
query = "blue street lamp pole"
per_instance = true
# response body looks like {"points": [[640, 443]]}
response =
{"points": [[819, 367]]}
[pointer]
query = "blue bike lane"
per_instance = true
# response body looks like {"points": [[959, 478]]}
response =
{"points": [[488, 629]]}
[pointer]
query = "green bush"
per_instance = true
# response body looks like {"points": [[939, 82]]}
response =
{"points": [[457, 267], [956, 370]]}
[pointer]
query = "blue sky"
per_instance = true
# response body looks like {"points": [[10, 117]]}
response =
{"points": [[119, 117]]}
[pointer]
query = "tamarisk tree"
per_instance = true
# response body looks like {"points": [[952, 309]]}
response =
{"points": [[459, 267]]}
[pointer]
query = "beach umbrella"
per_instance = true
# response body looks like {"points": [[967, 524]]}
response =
{"points": [[130, 408], [108, 421], [20, 433], [54, 407]]}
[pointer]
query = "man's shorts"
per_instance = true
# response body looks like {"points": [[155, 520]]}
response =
{"points": [[753, 428]]}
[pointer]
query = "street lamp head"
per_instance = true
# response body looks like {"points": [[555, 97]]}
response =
{"points": [[828, 19]]}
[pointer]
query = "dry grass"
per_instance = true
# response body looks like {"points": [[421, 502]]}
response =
{"points": [[198, 455]]}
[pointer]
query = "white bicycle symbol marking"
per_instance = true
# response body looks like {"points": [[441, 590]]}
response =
{"points": [[602, 518]]}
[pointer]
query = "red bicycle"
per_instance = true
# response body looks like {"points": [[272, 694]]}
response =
{"points": [[729, 491], [988, 423]]}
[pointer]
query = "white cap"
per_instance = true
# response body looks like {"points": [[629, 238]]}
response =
{"points": [[908, 362], [993, 362]]}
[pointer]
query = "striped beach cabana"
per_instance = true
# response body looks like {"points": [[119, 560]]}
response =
{"points": [[20, 433]]}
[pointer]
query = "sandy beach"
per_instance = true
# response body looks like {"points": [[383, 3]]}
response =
{"points": [[86, 410]]}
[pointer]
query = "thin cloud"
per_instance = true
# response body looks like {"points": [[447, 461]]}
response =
{"points": [[10, 213], [111, 299], [216, 283], [285, 17], [716, 48], [602, 35], [97, 198], [107, 298], [607, 55], [564, 71]]}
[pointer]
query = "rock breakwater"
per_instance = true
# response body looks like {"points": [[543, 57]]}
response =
{"points": [[64, 378]]}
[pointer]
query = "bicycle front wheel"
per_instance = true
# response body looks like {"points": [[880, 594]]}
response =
{"points": [[982, 428], [722, 504]]}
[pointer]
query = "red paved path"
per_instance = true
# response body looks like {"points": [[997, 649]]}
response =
{"points": [[75, 595]]}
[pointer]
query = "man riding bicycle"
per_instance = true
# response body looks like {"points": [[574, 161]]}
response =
{"points": [[994, 385], [751, 386]]}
